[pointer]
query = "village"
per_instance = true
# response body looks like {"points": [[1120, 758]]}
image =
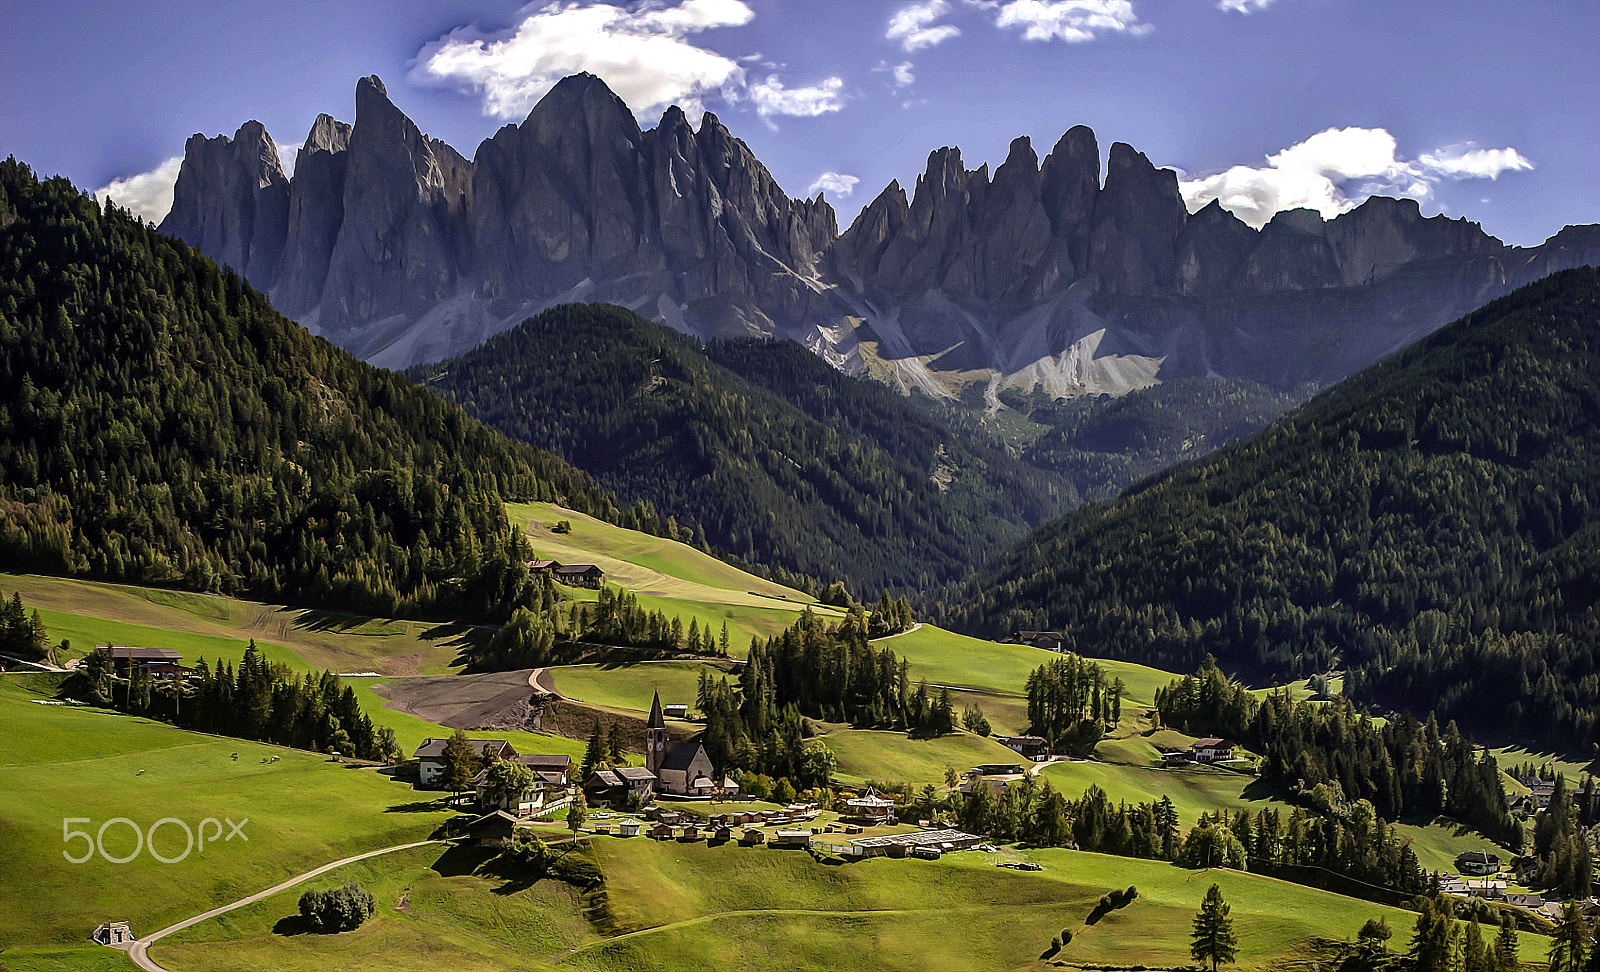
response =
{"points": [[632, 801]]}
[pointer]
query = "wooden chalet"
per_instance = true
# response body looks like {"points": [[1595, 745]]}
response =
{"points": [[578, 575], [492, 829], [154, 662]]}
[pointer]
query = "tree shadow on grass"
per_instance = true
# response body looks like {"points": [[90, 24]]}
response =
{"points": [[292, 925], [420, 806]]}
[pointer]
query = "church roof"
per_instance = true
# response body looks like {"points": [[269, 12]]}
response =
{"points": [[657, 720], [680, 755]]}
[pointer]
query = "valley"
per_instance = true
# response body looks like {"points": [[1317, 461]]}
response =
{"points": [[585, 554]]}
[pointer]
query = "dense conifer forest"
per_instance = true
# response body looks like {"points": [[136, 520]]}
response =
{"points": [[1103, 443], [161, 424], [759, 449], [1428, 526]]}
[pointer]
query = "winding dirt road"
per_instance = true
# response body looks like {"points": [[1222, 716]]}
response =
{"points": [[139, 950]]}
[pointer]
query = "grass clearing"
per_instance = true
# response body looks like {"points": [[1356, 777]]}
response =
{"points": [[630, 687], [90, 612], [872, 754], [66, 762]]}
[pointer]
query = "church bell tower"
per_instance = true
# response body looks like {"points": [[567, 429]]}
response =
{"points": [[655, 737]]}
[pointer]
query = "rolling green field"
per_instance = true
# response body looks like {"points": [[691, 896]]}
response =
{"points": [[690, 906], [89, 613], [868, 754], [64, 762], [630, 687]]}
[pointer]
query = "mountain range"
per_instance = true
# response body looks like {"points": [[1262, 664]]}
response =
{"points": [[1049, 274]]}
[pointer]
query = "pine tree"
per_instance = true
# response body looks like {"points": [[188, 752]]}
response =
{"points": [[1505, 945], [1213, 940], [1567, 944], [616, 750], [1431, 940], [594, 755]]}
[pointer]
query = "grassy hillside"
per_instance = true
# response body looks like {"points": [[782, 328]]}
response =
{"points": [[93, 613], [64, 762], [1431, 525], [676, 906], [784, 461]]}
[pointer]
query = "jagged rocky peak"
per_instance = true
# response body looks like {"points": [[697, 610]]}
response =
{"points": [[316, 211], [1137, 219], [232, 200], [327, 134], [1069, 183], [403, 235], [1213, 246]]}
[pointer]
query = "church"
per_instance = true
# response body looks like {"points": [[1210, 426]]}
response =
{"points": [[681, 768]]}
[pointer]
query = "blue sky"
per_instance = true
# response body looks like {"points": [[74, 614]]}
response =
{"points": [[1483, 109]]}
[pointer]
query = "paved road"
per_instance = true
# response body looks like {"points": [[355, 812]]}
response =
{"points": [[139, 950]]}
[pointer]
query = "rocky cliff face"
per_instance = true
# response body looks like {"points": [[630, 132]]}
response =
{"points": [[395, 246]]}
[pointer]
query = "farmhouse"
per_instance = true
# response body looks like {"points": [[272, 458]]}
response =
{"points": [[550, 790], [614, 787], [1053, 640], [1478, 863], [675, 711], [154, 662], [430, 756], [543, 566], [681, 768], [1211, 750], [1035, 748], [579, 575]]}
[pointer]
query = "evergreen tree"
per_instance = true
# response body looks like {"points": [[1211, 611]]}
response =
{"points": [[1213, 940], [1567, 943], [594, 755], [1505, 945], [1432, 938]]}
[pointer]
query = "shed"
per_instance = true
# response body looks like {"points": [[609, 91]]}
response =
{"points": [[752, 836], [492, 829], [791, 838], [628, 828]]}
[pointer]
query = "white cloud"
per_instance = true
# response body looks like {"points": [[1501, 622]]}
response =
{"points": [[1469, 162], [772, 98], [1073, 21], [904, 77], [148, 194], [644, 53], [915, 26], [1244, 6], [836, 184], [1335, 170]]}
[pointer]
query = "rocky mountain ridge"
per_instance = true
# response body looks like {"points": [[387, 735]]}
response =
{"points": [[397, 247]]}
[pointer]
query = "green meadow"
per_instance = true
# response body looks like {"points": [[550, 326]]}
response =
{"points": [[90, 613], [65, 763], [691, 906]]}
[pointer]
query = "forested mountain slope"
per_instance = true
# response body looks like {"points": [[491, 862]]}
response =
{"points": [[161, 423], [1430, 524], [758, 448]]}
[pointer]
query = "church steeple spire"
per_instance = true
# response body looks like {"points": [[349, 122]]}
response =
{"points": [[655, 737]]}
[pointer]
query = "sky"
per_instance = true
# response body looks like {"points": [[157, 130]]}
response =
{"points": [[1477, 108]]}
